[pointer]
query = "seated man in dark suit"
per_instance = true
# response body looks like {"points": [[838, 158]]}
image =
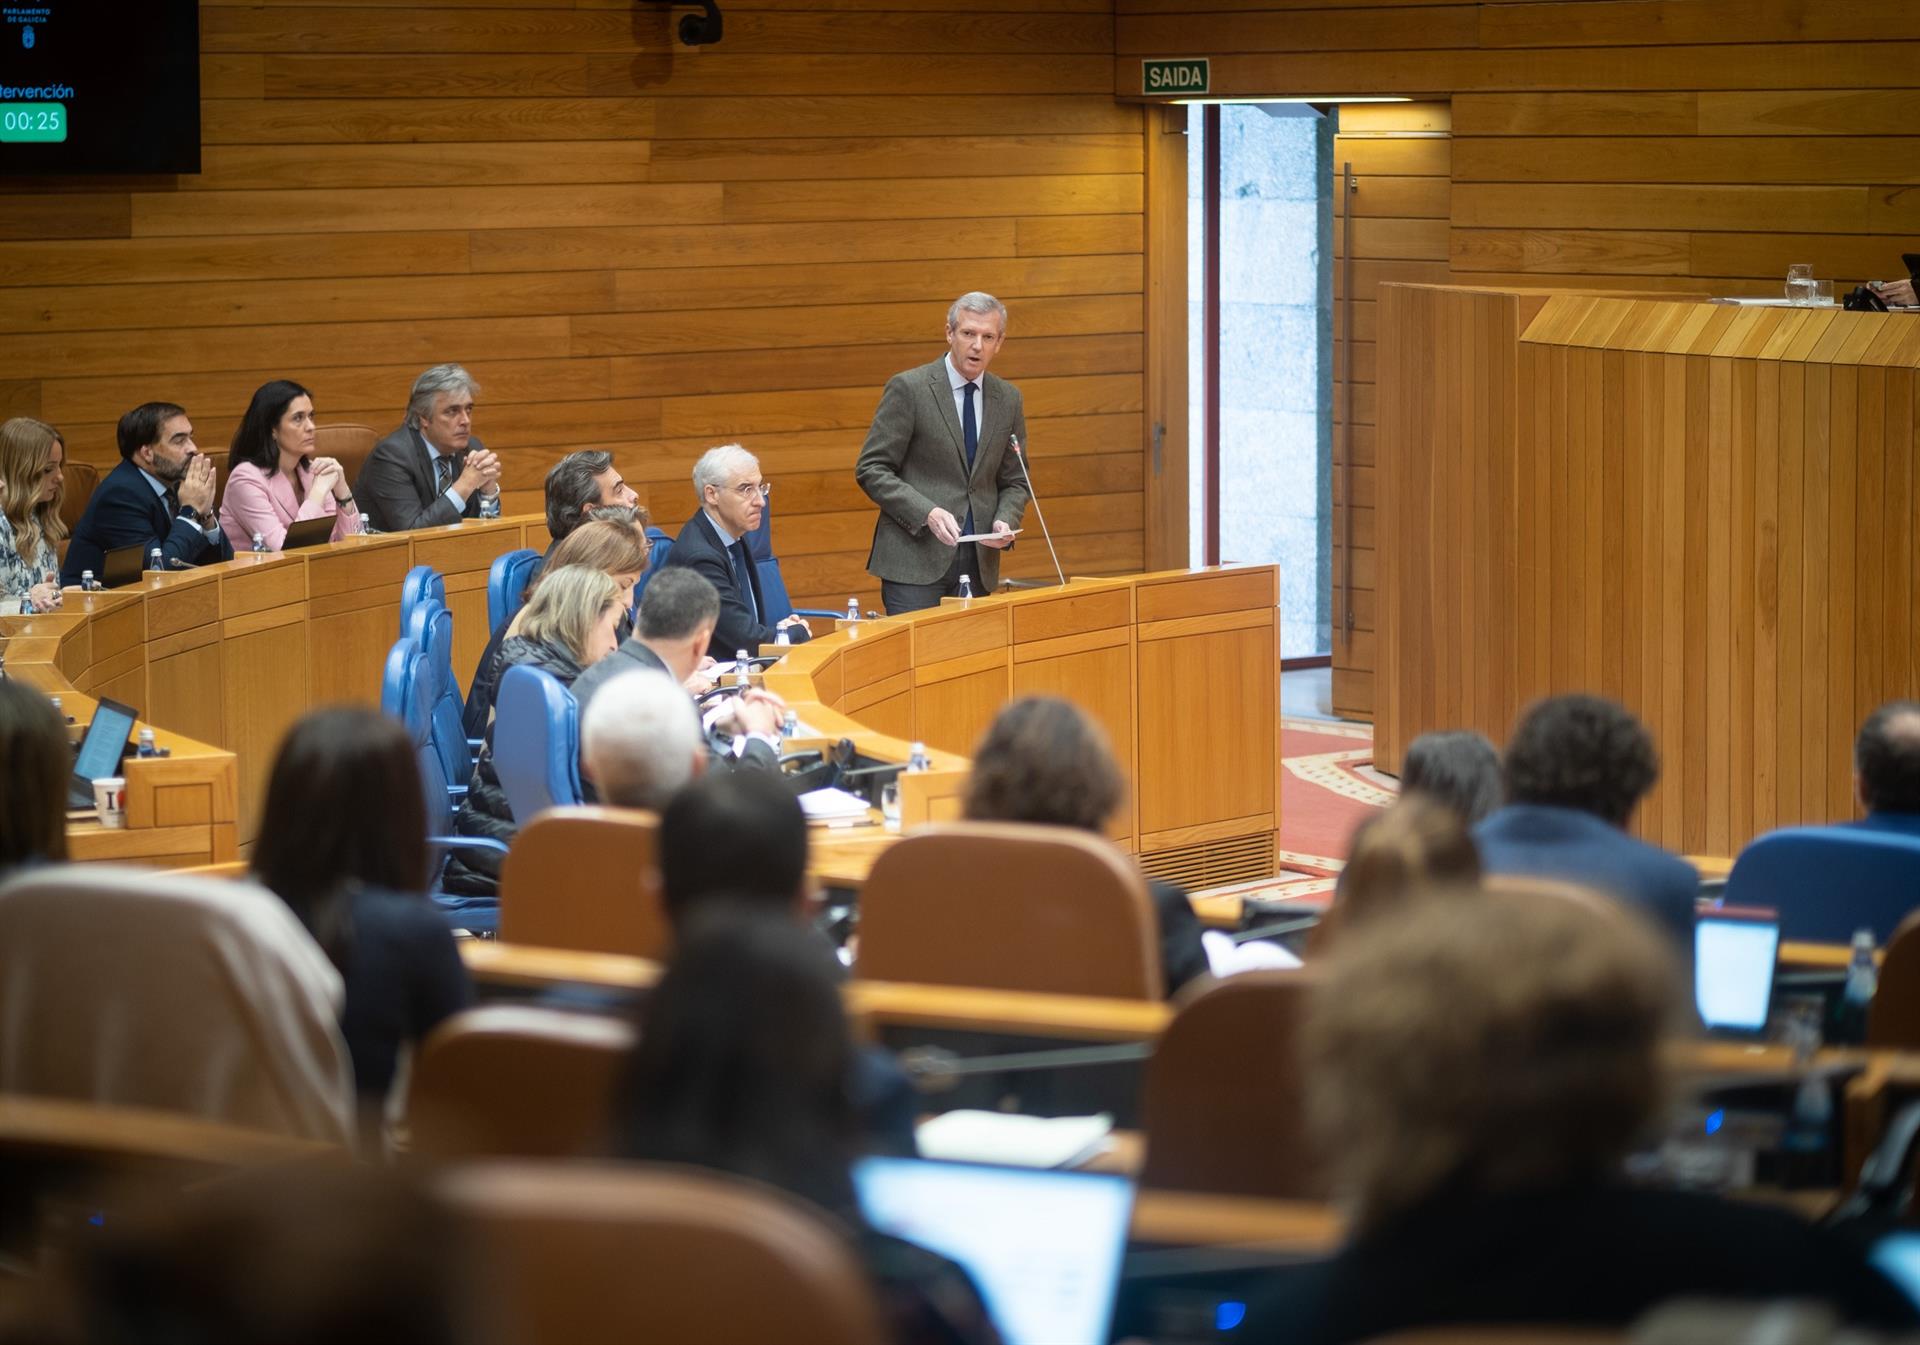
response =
{"points": [[1576, 769], [577, 486], [640, 742], [732, 498], [677, 615], [431, 471], [160, 495], [1886, 769]]}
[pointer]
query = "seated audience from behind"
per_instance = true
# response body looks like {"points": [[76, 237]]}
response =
{"points": [[318, 1253], [33, 459], [567, 625], [1414, 850], [343, 841], [160, 496], [1043, 760], [617, 550], [640, 741], [1576, 769], [677, 616], [1459, 769], [742, 1067], [273, 480], [33, 787], [1475, 1087], [1886, 769]]}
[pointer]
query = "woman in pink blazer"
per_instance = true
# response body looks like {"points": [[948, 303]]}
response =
{"points": [[271, 479]]}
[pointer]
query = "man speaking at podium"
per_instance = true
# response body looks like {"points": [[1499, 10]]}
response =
{"points": [[937, 463]]}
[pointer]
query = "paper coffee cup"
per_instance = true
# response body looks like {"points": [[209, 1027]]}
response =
{"points": [[110, 800]]}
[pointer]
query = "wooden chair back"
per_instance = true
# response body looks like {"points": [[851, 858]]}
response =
{"points": [[511, 1080], [580, 1252], [1224, 1105], [586, 878], [348, 444], [1010, 906], [80, 481], [1893, 1018]]}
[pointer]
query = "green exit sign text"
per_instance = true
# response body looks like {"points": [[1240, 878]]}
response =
{"points": [[1187, 78]]}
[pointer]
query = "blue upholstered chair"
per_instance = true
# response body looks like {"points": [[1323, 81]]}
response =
{"points": [[431, 628], [773, 585], [662, 544], [396, 678], [507, 585], [422, 581], [536, 742], [478, 914], [1827, 882]]}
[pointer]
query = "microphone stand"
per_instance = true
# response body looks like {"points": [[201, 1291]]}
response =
{"points": [[1021, 456]]}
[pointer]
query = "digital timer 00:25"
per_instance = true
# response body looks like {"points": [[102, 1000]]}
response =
{"points": [[33, 123]]}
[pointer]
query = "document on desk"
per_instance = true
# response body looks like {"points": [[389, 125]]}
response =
{"points": [[835, 807], [983, 536], [1012, 1140]]}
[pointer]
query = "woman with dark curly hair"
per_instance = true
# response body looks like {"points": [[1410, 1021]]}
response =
{"points": [[1043, 760]]}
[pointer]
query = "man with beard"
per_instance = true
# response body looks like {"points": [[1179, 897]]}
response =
{"points": [[161, 495]]}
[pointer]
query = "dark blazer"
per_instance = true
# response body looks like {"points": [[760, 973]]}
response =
{"points": [[403, 976], [1592, 1257], [1898, 824], [632, 656], [395, 487], [125, 509], [1577, 847], [701, 547], [915, 458]]}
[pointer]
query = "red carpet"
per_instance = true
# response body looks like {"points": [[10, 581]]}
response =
{"points": [[1324, 795]]}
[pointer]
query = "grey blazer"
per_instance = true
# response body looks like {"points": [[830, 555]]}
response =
{"points": [[915, 459], [395, 487]]}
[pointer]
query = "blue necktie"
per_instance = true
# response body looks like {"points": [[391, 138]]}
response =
{"points": [[970, 430]]}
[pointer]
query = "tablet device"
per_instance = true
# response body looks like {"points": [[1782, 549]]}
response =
{"points": [[101, 750], [1044, 1247], [308, 532], [1734, 953], [124, 565]]}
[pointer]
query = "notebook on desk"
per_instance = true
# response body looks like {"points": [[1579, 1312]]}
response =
{"points": [[1734, 957], [1045, 1248]]}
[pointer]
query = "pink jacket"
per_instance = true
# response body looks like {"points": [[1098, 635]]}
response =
{"points": [[257, 501]]}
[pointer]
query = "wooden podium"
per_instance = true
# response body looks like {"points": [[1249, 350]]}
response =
{"points": [[1706, 511]]}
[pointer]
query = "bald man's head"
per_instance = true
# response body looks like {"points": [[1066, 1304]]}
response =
{"points": [[1886, 759]]}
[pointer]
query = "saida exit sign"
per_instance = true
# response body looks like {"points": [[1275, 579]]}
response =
{"points": [[1186, 78]]}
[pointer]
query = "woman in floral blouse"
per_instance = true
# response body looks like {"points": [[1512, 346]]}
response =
{"points": [[33, 460]]}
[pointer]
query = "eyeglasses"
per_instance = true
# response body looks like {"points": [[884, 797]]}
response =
{"points": [[746, 490]]}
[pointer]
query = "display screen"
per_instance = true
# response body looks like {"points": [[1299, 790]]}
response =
{"points": [[99, 86]]}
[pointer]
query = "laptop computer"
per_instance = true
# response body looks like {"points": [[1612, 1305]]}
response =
{"points": [[100, 751], [1735, 952], [124, 565], [308, 532], [1044, 1247], [1897, 1256]]}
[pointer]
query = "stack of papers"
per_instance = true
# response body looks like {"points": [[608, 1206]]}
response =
{"points": [[1013, 1141], [835, 807]]}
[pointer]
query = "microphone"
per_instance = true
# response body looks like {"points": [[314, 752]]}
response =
{"points": [[1021, 457]]}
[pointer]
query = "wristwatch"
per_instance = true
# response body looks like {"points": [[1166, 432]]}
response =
{"points": [[189, 513]]}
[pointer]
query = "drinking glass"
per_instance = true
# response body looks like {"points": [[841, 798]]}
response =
{"points": [[1800, 284]]}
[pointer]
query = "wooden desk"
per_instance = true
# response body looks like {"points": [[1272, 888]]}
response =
{"points": [[220, 662], [1706, 512]]}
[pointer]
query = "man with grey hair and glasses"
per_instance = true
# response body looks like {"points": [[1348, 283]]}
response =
{"points": [[733, 499], [938, 464], [431, 471]]}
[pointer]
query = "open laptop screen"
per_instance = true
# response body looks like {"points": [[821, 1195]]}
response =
{"points": [[1733, 970], [1044, 1247]]}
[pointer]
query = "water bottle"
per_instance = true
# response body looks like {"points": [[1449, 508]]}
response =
{"points": [[1863, 978], [781, 639], [156, 561], [259, 544], [146, 748], [86, 581], [966, 587], [489, 506], [853, 610], [1807, 1157], [789, 724], [917, 759], [742, 670]]}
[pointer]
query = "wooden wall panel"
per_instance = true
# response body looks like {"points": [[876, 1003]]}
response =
{"points": [[634, 245], [1690, 146]]}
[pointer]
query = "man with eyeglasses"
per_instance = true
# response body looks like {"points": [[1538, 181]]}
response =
{"points": [[733, 499]]}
